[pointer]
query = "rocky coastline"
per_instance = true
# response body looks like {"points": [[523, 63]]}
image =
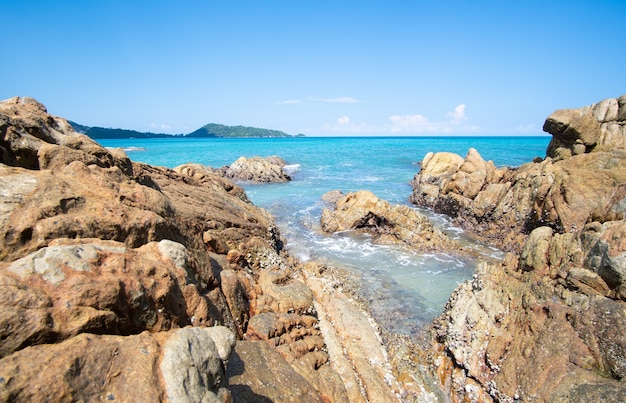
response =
{"points": [[124, 281], [548, 323]]}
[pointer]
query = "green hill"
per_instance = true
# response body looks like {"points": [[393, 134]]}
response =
{"points": [[209, 130], [104, 133], [217, 130]]}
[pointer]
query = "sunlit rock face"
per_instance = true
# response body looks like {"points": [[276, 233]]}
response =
{"points": [[548, 322]]}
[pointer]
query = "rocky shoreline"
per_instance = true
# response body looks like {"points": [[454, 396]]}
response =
{"points": [[124, 281]]}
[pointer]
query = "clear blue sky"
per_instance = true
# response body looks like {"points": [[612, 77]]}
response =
{"points": [[314, 67]]}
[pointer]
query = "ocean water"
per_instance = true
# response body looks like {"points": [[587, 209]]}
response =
{"points": [[405, 289]]}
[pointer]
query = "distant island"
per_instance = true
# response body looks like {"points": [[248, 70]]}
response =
{"points": [[213, 130]]}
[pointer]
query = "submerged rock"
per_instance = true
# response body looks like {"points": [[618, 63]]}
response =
{"points": [[392, 224]]}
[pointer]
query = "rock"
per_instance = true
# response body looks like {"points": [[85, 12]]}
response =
{"points": [[210, 178], [184, 365], [355, 347], [520, 337], [91, 243], [546, 323], [192, 365], [257, 373], [605, 253], [395, 224], [97, 286], [31, 138], [332, 197], [598, 127], [510, 203], [257, 170], [535, 255]]}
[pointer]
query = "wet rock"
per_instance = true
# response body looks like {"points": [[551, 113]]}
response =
{"points": [[332, 197], [394, 224]]}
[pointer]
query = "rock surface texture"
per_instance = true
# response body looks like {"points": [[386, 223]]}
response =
{"points": [[565, 191], [391, 224], [124, 281], [548, 323], [256, 170]]}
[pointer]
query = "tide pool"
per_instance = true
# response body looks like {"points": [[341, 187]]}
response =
{"points": [[405, 289]]}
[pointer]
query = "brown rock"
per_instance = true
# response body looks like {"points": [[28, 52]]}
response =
{"points": [[395, 224], [564, 195], [257, 170], [598, 127], [72, 287], [257, 373], [144, 368]]}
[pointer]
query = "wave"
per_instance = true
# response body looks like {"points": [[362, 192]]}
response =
{"points": [[128, 149], [291, 168]]}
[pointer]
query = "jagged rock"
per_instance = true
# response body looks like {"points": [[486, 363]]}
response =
{"points": [[353, 344], [208, 177], [96, 286], [185, 365], [510, 203], [332, 197], [598, 127], [395, 224], [257, 170], [193, 366], [257, 373], [31, 138], [519, 335], [93, 243]]}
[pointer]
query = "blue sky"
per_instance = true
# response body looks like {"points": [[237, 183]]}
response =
{"points": [[314, 67]]}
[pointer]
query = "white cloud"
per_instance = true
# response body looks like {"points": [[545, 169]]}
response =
{"points": [[409, 124], [345, 125], [338, 100], [343, 121], [458, 115], [419, 123]]}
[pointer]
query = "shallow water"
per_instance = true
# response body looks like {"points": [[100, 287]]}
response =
{"points": [[405, 289]]}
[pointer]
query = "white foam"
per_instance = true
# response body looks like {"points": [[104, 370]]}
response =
{"points": [[291, 168]]}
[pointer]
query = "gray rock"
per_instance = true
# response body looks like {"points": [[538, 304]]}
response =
{"points": [[192, 367], [257, 170]]}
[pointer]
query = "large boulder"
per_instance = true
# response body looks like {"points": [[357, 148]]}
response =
{"points": [[257, 170], [540, 328], [111, 272], [598, 127], [183, 365], [502, 206], [393, 224], [546, 323]]}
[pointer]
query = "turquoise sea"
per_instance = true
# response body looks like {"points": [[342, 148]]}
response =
{"points": [[405, 289]]}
